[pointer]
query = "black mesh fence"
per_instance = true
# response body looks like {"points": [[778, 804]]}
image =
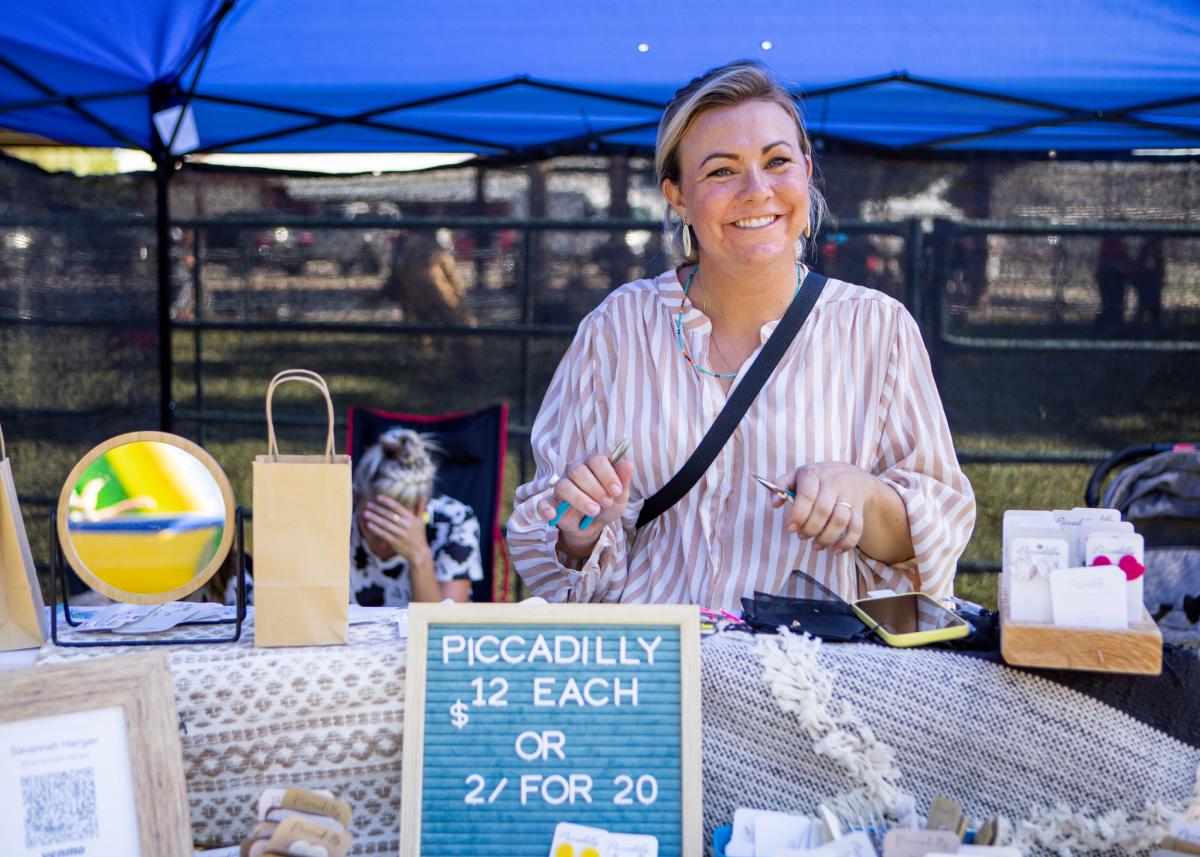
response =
{"points": [[1059, 301]]}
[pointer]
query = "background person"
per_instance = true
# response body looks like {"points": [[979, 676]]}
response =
{"points": [[407, 544], [851, 418], [423, 279], [1149, 274], [1114, 270]]}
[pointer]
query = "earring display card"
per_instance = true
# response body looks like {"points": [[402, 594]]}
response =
{"points": [[1031, 556], [1032, 601], [1089, 597], [1071, 593], [1127, 551], [1073, 522], [1013, 518], [578, 840]]}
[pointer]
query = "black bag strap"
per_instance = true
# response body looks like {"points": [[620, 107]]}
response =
{"points": [[739, 402]]}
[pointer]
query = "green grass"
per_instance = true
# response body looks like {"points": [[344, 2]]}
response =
{"points": [[979, 587]]}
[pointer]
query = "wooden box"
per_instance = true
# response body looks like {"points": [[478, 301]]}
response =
{"points": [[1136, 649]]}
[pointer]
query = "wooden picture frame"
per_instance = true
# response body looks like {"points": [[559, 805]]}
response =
{"points": [[683, 619], [139, 685]]}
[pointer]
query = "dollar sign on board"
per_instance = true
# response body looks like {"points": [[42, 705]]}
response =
{"points": [[458, 714]]}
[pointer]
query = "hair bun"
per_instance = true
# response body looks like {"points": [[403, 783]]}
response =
{"points": [[398, 464], [403, 445], [409, 448]]}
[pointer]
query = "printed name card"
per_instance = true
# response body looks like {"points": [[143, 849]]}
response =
{"points": [[918, 843], [1089, 597], [519, 717]]}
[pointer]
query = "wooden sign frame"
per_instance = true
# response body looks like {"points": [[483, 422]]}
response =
{"points": [[685, 618], [140, 685]]}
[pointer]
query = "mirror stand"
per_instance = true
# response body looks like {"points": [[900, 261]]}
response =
{"points": [[58, 577]]}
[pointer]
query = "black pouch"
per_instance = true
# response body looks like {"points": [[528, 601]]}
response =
{"points": [[985, 628], [815, 610]]}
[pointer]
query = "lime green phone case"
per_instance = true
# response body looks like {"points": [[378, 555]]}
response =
{"points": [[956, 628]]}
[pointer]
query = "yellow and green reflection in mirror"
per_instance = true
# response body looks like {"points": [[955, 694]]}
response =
{"points": [[146, 517]]}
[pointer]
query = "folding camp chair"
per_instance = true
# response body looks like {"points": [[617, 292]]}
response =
{"points": [[470, 467]]}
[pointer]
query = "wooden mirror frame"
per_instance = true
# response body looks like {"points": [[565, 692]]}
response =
{"points": [[90, 578]]}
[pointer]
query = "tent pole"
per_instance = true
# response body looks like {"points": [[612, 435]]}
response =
{"points": [[160, 97], [162, 212]]}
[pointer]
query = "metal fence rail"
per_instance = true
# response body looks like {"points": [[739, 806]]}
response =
{"points": [[945, 233]]}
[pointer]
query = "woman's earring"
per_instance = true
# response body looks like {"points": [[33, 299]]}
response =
{"points": [[807, 230], [687, 240]]}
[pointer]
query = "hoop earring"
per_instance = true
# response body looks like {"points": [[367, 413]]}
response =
{"points": [[807, 230], [687, 240]]}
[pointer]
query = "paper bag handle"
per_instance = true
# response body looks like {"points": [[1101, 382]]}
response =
{"points": [[308, 377]]}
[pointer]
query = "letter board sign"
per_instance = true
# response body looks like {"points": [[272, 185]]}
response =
{"points": [[518, 717]]}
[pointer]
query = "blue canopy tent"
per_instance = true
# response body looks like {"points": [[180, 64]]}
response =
{"points": [[526, 79]]}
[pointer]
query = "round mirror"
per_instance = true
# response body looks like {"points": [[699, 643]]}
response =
{"points": [[146, 517]]}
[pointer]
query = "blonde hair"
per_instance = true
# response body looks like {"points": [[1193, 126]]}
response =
{"points": [[398, 465], [726, 86]]}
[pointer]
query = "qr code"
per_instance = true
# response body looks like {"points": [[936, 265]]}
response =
{"points": [[59, 807]]}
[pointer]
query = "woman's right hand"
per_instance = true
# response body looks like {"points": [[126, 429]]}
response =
{"points": [[593, 486]]}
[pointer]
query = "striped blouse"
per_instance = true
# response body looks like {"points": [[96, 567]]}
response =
{"points": [[854, 386]]}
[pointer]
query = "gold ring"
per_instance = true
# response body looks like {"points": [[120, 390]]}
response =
{"points": [[847, 505]]}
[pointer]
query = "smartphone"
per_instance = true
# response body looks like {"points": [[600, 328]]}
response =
{"points": [[911, 619]]}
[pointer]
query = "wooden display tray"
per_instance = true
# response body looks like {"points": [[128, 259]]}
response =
{"points": [[1136, 649]]}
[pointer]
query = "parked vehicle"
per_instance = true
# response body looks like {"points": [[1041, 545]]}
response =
{"points": [[241, 248], [364, 250]]}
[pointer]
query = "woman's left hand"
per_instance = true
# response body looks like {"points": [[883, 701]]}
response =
{"points": [[831, 503], [397, 525]]}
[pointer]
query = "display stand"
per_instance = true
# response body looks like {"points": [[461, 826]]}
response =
{"points": [[1136, 649], [58, 576]]}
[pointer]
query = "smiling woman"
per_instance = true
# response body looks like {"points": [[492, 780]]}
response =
{"points": [[715, 119], [848, 425]]}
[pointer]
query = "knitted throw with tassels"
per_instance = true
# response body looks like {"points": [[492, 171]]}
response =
{"points": [[1065, 773]]}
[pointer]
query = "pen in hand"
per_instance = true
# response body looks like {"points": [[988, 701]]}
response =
{"points": [[563, 505]]}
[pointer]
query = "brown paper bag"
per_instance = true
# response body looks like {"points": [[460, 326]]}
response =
{"points": [[22, 612], [302, 509]]}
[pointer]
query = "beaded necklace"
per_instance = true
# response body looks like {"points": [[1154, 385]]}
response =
{"points": [[679, 326]]}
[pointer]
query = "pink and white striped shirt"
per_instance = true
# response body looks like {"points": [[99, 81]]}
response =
{"points": [[855, 386]]}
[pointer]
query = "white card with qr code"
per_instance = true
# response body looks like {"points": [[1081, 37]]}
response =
{"points": [[66, 786]]}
